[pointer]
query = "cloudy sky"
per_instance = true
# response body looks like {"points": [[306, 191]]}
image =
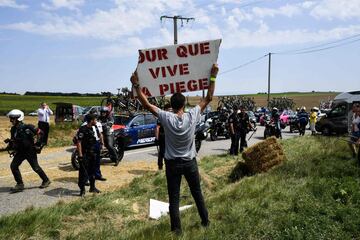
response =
{"points": [[91, 45]]}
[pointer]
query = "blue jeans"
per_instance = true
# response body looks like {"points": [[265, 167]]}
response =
{"points": [[175, 168]]}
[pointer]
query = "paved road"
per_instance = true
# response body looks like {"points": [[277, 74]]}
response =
{"points": [[56, 163]]}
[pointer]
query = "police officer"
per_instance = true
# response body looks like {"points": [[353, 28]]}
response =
{"points": [[244, 126], [234, 131], [22, 142], [108, 133], [276, 119], [98, 133], [303, 117], [86, 146]]}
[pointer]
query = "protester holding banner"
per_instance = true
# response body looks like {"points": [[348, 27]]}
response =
{"points": [[180, 147]]}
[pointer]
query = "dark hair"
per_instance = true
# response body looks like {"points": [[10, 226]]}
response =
{"points": [[167, 106], [177, 101], [89, 117]]}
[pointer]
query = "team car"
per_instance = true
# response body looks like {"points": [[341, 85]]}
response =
{"points": [[136, 130]]}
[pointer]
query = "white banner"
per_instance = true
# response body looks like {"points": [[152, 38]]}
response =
{"points": [[177, 68]]}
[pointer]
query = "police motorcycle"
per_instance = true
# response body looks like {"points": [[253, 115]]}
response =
{"points": [[219, 126], [119, 146], [294, 123], [201, 133], [270, 129]]}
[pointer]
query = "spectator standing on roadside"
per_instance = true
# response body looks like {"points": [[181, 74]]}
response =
{"points": [[313, 118], [180, 153], [355, 130], [22, 143], [44, 113]]}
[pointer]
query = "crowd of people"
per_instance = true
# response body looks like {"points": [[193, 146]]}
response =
{"points": [[175, 138]]}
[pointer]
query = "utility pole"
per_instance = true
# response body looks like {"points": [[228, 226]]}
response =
{"points": [[269, 70], [175, 19]]}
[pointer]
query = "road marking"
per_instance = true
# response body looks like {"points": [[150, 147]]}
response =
{"points": [[134, 152]]}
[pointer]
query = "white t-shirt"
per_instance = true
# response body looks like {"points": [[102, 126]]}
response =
{"points": [[356, 122]]}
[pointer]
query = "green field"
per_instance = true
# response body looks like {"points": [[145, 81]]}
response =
{"points": [[315, 194], [31, 103]]}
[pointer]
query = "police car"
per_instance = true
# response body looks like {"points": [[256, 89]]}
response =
{"points": [[138, 129]]}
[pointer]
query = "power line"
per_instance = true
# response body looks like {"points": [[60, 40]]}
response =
{"points": [[316, 48], [242, 5], [244, 64]]}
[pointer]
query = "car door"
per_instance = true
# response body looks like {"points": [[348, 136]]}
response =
{"points": [[136, 129], [338, 117], [150, 128]]}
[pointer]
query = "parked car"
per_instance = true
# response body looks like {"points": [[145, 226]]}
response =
{"points": [[138, 129], [285, 117], [35, 113], [67, 112], [338, 120]]}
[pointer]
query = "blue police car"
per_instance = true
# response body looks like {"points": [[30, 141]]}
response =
{"points": [[136, 130]]}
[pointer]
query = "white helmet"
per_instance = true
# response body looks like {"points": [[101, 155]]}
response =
{"points": [[16, 113], [275, 109]]}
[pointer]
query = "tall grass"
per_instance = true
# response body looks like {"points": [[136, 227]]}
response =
{"points": [[313, 195]]}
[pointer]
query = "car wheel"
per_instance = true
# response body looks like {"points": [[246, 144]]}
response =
{"points": [[74, 160], [213, 136], [326, 131], [266, 134]]}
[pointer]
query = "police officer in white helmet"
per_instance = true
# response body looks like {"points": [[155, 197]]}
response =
{"points": [[23, 144]]}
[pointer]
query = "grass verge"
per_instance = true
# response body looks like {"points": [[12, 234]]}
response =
{"points": [[313, 195]]}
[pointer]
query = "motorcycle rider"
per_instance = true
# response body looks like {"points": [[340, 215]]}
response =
{"points": [[22, 142], [234, 131], [107, 122], [86, 147], [303, 117], [275, 117]]}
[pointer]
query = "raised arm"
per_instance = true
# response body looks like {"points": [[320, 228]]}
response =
{"points": [[143, 99], [205, 101]]}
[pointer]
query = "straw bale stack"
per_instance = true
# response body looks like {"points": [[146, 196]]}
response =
{"points": [[263, 155]]}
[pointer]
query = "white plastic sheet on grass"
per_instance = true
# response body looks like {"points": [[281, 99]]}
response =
{"points": [[158, 209]]}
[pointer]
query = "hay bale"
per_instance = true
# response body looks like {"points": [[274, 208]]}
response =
{"points": [[263, 155]]}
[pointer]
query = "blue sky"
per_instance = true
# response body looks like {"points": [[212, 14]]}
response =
{"points": [[91, 45]]}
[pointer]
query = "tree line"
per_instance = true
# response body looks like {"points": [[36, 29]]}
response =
{"points": [[74, 94]]}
